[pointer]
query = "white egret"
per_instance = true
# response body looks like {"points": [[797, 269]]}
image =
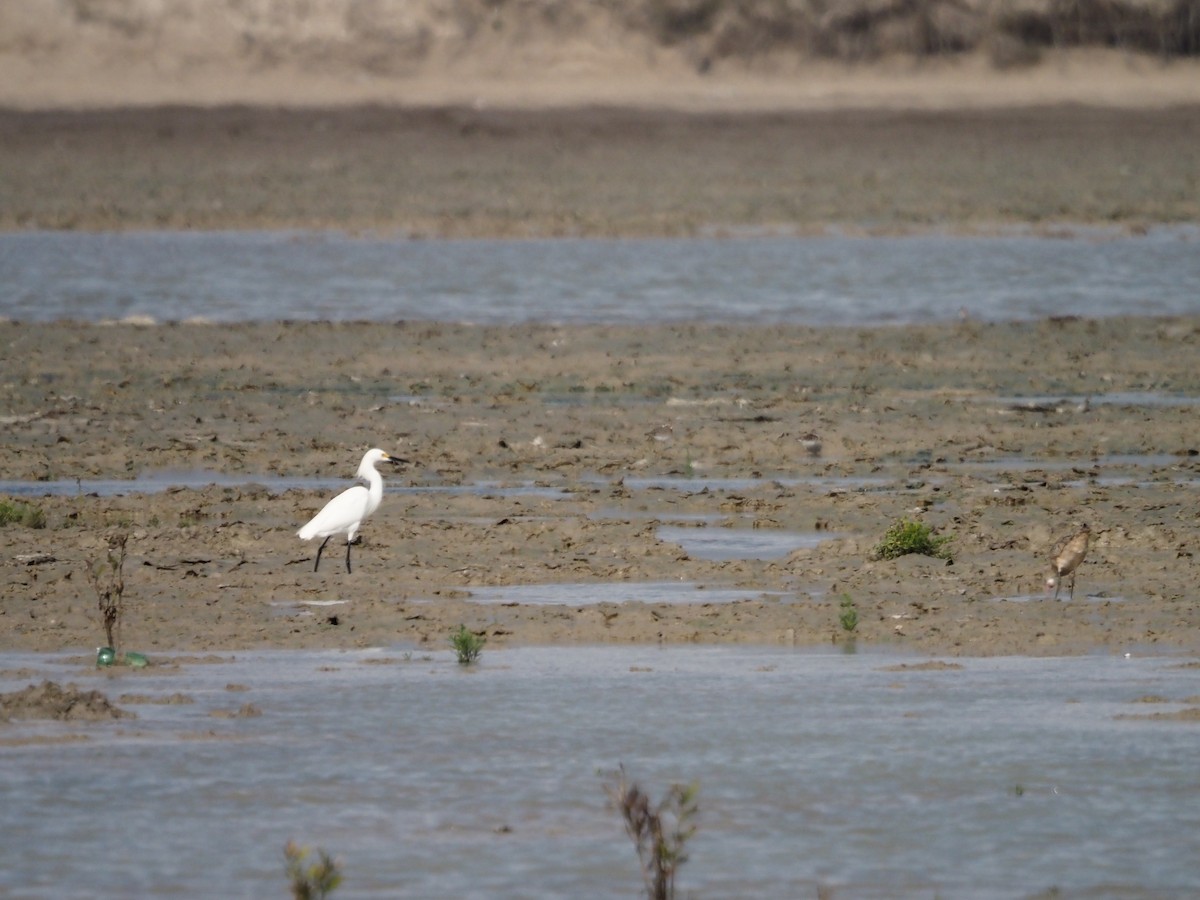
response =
{"points": [[1067, 557], [347, 511]]}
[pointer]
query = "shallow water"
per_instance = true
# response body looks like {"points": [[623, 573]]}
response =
{"points": [[833, 280], [1041, 598], [1003, 778], [740, 543], [157, 482], [1181, 470], [692, 484], [576, 594], [1113, 398]]}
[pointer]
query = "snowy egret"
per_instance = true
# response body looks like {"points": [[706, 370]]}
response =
{"points": [[347, 511], [1067, 557]]}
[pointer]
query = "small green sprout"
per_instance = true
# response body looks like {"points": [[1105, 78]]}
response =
{"points": [[848, 615]]}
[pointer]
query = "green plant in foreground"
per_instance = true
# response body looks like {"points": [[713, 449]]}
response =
{"points": [[22, 514], [311, 880], [848, 615], [467, 645], [659, 832], [908, 536]]}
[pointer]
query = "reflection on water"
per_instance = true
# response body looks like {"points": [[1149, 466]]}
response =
{"points": [[861, 773], [240, 276]]}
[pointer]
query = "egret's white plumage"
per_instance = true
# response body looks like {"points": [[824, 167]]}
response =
{"points": [[347, 511]]}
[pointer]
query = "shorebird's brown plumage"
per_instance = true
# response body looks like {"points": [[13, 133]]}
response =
{"points": [[811, 442], [1067, 557]]}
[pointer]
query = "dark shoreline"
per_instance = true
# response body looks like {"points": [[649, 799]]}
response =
{"points": [[461, 172]]}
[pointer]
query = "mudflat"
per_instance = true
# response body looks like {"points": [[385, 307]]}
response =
{"points": [[568, 459], [553, 458]]}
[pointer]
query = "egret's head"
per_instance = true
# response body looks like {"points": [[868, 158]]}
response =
{"points": [[375, 456]]}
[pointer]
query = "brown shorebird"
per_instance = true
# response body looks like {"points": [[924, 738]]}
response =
{"points": [[1067, 557], [661, 433], [811, 442]]}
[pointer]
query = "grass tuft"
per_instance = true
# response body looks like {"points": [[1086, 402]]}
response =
{"points": [[16, 512], [848, 614], [908, 536], [467, 645]]}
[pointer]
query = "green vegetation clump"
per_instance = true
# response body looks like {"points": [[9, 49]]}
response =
{"points": [[467, 645], [314, 880], [908, 536], [14, 511], [848, 615]]}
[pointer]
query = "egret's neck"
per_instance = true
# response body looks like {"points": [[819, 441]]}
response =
{"points": [[374, 484]]}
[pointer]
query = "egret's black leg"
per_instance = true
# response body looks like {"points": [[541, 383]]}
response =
{"points": [[319, 549], [348, 544]]}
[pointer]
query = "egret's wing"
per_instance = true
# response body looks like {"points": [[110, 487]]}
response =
{"points": [[340, 514]]}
